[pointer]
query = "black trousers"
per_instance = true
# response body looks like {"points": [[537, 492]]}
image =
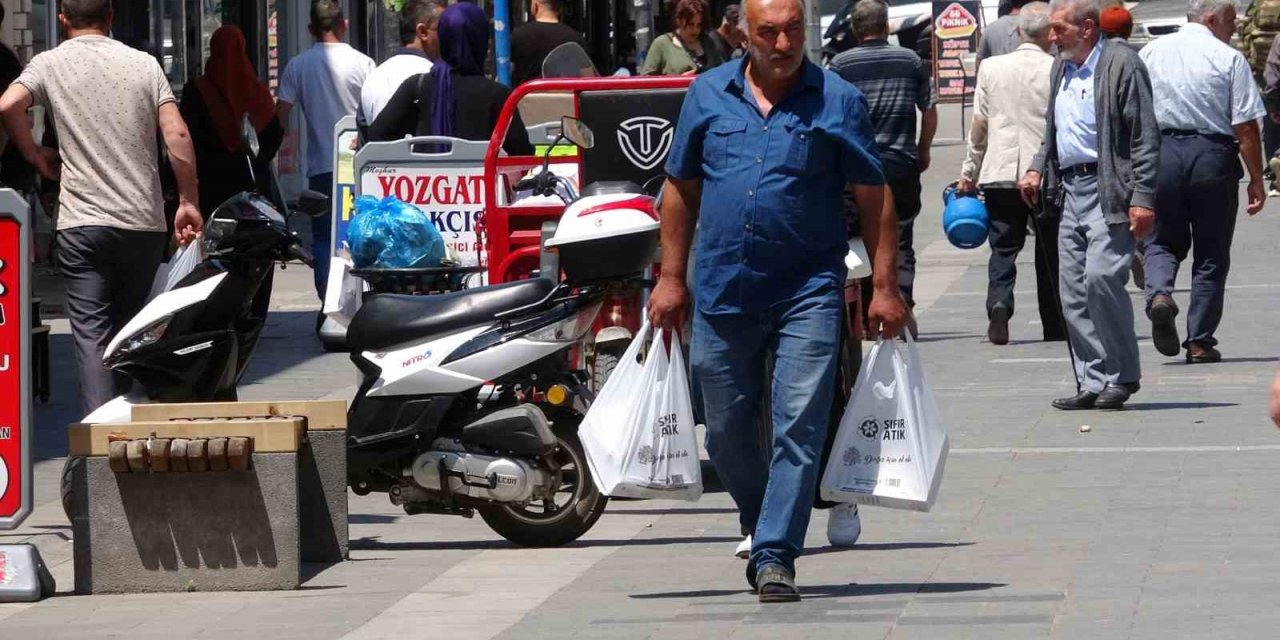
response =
{"points": [[1007, 236], [1270, 140], [108, 273], [904, 185], [1197, 198]]}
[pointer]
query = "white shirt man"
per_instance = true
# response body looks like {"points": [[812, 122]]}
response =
{"points": [[1208, 108], [325, 81], [419, 21]]}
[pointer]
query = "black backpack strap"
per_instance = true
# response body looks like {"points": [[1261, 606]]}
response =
{"points": [[362, 127]]}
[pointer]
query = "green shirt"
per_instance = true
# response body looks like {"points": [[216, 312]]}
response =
{"points": [[669, 57]]}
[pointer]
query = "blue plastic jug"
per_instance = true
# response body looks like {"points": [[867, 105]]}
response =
{"points": [[964, 219]]}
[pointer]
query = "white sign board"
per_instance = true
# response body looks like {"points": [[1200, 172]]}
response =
{"points": [[453, 198]]}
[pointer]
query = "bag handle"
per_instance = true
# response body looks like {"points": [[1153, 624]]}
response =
{"points": [[631, 354]]}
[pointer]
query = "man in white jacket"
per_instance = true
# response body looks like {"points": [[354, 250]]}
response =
{"points": [[1008, 127]]}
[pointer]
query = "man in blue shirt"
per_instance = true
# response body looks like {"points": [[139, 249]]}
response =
{"points": [[1208, 108], [763, 151]]}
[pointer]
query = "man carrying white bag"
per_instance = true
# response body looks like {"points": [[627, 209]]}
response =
{"points": [[891, 447], [638, 434]]}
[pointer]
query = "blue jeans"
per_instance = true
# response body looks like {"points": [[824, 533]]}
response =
{"points": [[728, 354], [321, 233]]}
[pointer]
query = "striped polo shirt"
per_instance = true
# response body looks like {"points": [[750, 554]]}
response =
{"points": [[896, 83]]}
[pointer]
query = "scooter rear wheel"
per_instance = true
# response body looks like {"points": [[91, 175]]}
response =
{"points": [[575, 509]]}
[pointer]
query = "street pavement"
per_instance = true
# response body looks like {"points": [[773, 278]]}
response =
{"points": [[1159, 522]]}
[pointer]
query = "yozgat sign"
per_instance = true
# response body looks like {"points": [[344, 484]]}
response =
{"points": [[442, 177], [453, 199], [15, 357]]}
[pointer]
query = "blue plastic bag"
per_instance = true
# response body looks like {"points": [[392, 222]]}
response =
{"points": [[390, 234]]}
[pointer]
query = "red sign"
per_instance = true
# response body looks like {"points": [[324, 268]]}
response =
{"points": [[956, 33], [955, 22], [15, 396]]}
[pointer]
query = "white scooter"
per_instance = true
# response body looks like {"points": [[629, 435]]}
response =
{"points": [[467, 402]]}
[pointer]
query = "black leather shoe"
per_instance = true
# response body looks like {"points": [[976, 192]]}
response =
{"points": [[1115, 395], [1200, 354], [1164, 332], [1081, 401], [998, 329]]}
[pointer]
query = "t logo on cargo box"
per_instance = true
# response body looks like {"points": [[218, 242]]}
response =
{"points": [[955, 22], [645, 140]]}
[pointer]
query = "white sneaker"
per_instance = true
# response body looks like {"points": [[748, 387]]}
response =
{"points": [[744, 548], [844, 526]]}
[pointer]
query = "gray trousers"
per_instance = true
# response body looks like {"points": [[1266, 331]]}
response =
{"points": [[1094, 267], [108, 274]]}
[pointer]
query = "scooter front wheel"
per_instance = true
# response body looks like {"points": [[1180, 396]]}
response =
{"points": [[572, 512]]}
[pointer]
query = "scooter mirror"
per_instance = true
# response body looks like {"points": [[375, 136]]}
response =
{"points": [[313, 203], [577, 132], [249, 136]]}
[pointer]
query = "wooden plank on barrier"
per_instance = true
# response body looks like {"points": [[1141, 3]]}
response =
{"points": [[321, 415]]}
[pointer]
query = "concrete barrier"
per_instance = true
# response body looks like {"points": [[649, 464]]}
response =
{"points": [[322, 472], [146, 530]]}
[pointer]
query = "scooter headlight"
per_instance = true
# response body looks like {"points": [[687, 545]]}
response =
{"points": [[150, 334], [569, 329]]}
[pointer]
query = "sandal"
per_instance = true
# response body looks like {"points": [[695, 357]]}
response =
{"points": [[776, 584]]}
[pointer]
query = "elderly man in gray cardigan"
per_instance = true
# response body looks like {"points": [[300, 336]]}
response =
{"points": [[1098, 166]]}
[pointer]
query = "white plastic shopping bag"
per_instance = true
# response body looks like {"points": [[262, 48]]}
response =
{"points": [[638, 434], [343, 292], [180, 265], [891, 447], [856, 262]]}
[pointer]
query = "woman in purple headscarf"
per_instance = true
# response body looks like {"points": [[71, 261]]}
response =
{"points": [[428, 104]]}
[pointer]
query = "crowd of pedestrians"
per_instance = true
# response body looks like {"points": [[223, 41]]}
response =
{"points": [[1108, 157], [1103, 155]]}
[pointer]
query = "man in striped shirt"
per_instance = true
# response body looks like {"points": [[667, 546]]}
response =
{"points": [[896, 83]]}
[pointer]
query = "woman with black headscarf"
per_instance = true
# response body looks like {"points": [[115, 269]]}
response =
{"points": [[428, 104]]}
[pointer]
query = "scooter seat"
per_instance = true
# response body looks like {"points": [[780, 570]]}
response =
{"points": [[386, 320]]}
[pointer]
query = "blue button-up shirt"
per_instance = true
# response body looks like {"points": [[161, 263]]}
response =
{"points": [[1075, 112], [1201, 83], [772, 225]]}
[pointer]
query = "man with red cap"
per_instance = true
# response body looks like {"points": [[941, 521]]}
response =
{"points": [[1116, 22]]}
